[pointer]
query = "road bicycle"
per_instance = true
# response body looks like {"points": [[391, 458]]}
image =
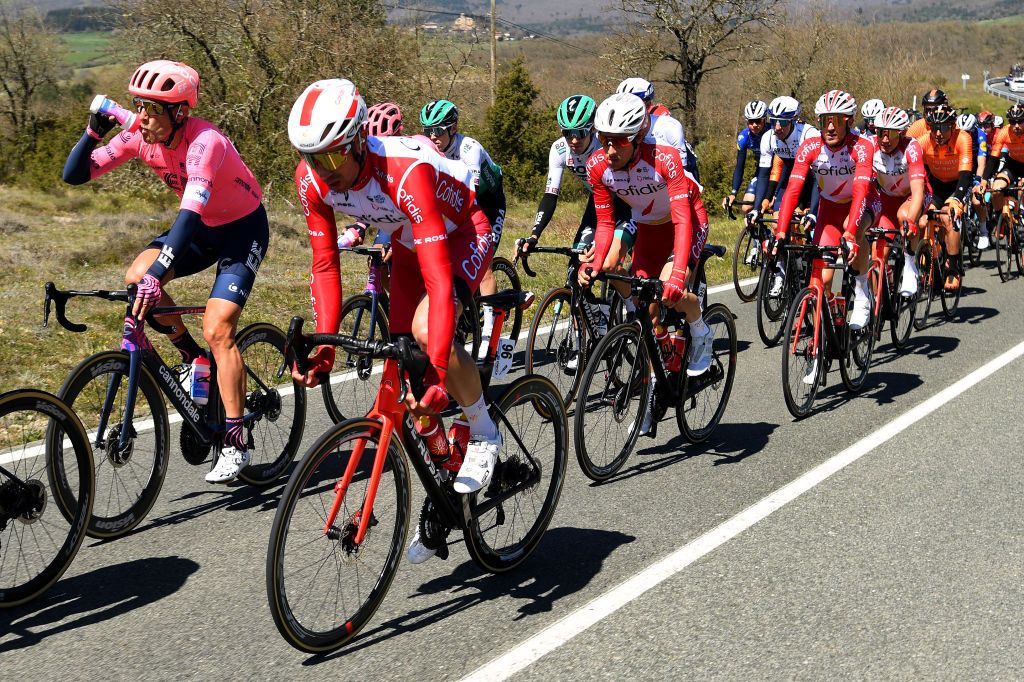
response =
{"points": [[749, 255], [615, 391], [934, 266], [340, 529], [39, 535], [885, 276], [1008, 234], [969, 225], [817, 334], [795, 270], [120, 397]]}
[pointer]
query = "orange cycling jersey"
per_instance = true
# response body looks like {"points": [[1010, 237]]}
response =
{"points": [[1005, 139], [917, 128], [946, 162]]}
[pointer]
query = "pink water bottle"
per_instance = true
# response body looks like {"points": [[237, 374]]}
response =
{"points": [[128, 120], [200, 386]]}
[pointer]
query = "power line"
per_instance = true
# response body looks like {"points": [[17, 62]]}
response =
{"points": [[483, 17]]}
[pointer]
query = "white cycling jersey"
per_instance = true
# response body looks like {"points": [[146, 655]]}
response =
{"points": [[786, 148], [668, 130], [468, 151], [561, 158]]}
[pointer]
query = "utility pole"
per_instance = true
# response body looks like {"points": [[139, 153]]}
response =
{"points": [[494, 54]]}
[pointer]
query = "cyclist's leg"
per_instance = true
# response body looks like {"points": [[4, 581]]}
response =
{"points": [[494, 208], [827, 232]]}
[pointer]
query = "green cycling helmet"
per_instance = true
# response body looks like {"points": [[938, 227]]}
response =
{"points": [[439, 112], [576, 112]]}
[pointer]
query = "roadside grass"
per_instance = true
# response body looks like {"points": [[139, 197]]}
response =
{"points": [[81, 239], [88, 48]]}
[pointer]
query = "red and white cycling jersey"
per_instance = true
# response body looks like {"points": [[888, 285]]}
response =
{"points": [[843, 175], [408, 188], [894, 172], [655, 186]]}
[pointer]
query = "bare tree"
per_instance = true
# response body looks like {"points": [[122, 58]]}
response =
{"points": [[693, 38], [31, 58]]}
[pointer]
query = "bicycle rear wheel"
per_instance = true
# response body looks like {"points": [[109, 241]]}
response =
{"points": [[703, 399], [611, 403], [951, 297], [556, 347], [803, 363], [771, 310], [858, 346], [970, 234], [354, 386], [926, 282], [505, 522], [506, 277], [901, 307], [128, 481], [322, 587], [279, 403], [1002, 238], [41, 442], [746, 264]]}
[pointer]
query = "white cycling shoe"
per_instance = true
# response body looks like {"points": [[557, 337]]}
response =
{"points": [[860, 313], [418, 552], [983, 242], [229, 464], [478, 466], [701, 346], [812, 373]]}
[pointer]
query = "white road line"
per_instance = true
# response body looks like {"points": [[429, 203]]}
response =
{"points": [[554, 636]]}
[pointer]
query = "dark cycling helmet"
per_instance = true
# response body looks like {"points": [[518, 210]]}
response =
{"points": [[940, 115], [1015, 114], [576, 112], [934, 98], [439, 112]]}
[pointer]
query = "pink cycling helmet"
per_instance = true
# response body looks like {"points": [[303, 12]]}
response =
{"points": [[384, 119], [165, 81]]}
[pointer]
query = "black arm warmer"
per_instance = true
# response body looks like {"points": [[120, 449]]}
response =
{"points": [[990, 166], [737, 173], [544, 213], [964, 185], [179, 237], [762, 189], [76, 168]]}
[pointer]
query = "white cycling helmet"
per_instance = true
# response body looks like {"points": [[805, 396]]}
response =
{"points": [[836, 102], [328, 114], [754, 110], [997, 121], [784, 107], [640, 87], [872, 108], [966, 122], [621, 114], [892, 118]]}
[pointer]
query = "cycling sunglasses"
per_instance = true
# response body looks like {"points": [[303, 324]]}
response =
{"points": [[576, 133], [329, 161], [941, 127], [779, 121], [436, 131], [149, 106], [837, 120], [617, 141]]}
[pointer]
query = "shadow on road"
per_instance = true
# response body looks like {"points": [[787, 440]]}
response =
{"points": [[94, 597], [975, 314], [931, 347], [882, 387], [564, 563], [729, 444]]}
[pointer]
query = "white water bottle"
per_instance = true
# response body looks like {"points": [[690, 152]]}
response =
{"points": [[128, 120], [200, 385]]}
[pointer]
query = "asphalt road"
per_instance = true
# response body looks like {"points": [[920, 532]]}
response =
{"points": [[904, 563]]}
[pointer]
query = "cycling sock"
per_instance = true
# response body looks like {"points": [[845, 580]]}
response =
{"points": [[910, 264], [698, 327], [488, 324], [187, 346], [861, 286], [234, 434], [480, 422]]}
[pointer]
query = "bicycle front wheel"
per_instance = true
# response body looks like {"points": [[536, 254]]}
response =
{"points": [[278, 403], [803, 360], [901, 307], [926, 283], [859, 345], [41, 442], [771, 310], [353, 389], [505, 522], [323, 587], [613, 398], [129, 478], [506, 277], [704, 397], [951, 297], [1002, 238], [746, 265], [557, 344]]}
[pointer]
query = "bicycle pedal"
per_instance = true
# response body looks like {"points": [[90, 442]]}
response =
{"points": [[442, 552]]}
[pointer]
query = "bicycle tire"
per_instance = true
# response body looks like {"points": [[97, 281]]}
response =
{"points": [[84, 391], [621, 344], [799, 357], [771, 310], [951, 297], [742, 270], [901, 308], [274, 438], [1018, 254], [971, 233], [34, 428], [1003, 241], [301, 514], [555, 337], [360, 377], [925, 284], [702, 402], [506, 277], [504, 537], [858, 345]]}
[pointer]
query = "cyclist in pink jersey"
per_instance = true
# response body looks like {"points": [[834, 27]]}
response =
{"points": [[898, 163], [665, 200], [847, 203], [440, 236], [221, 220]]}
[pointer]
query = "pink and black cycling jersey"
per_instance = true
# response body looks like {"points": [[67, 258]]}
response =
{"points": [[843, 175], [895, 171], [204, 170], [413, 193], [657, 189]]}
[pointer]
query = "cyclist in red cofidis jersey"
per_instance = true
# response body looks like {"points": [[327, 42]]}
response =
{"points": [[221, 221], [439, 235]]}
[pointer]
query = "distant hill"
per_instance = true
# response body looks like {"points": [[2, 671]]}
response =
{"points": [[870, 11]]}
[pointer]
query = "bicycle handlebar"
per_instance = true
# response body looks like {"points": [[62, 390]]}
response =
{"points": [[60, 299], [376, 253], [568, 251]]}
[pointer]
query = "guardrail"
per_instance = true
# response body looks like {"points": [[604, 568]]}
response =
{"points": [[995, 86]]}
